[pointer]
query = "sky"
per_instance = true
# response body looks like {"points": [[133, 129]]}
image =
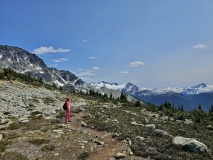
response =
{"points": [[152, 44]]}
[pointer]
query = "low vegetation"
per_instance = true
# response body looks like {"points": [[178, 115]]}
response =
{"points": [[116, 116]]}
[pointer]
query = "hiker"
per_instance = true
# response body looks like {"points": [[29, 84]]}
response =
{"points": [[68, 110]]}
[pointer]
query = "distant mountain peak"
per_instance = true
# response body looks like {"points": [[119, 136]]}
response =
{"points": [[203, 85]]}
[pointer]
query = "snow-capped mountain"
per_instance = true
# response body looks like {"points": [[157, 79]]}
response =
{"points": [[130, 88], [24, 62], [189, 97], [104, 84]]}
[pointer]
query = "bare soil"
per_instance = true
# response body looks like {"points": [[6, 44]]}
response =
{"points": [[111, 145]]}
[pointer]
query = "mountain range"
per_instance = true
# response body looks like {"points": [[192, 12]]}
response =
{"points": [[188, 97], [24, 62]]}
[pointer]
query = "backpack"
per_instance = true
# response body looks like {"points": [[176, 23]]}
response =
{"points": [[64, 106]]}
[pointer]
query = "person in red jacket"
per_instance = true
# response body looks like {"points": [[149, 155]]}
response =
{"points": [[68, 110]]}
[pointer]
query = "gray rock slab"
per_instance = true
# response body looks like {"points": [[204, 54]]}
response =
{"points": [[189, 144]]}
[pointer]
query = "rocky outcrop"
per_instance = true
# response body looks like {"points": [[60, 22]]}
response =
{"points": [[189, 144]]}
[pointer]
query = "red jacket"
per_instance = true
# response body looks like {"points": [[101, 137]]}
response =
{"points": [[68, 103]]}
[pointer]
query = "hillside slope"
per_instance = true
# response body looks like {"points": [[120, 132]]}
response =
{"points": [[32, 127]]}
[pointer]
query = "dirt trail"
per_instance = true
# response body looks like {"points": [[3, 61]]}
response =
{"points": [[111, 146]]}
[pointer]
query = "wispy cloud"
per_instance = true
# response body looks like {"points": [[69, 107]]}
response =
{"points": [[60, 60], [56, 60], [43, 50], [124, 72], [87, 73], [85, 41], [96, 68], [136, 64], [199, 46], [64, 59], [92, 57]]}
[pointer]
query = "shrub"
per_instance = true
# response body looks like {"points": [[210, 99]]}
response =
{"points": [[83, 155], [14, 126], [39, 141], [48, 148]]}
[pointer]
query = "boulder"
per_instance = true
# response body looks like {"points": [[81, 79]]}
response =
{"points": [[145, 120], [151, 126], [160, 133], [120, 155], [189, 144], [23, 120], [210, 127], [81, 109], [83, 124], [59, 131], [188, 121], [139, 138]]}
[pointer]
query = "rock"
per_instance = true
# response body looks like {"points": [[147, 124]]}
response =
{"points": [[98, 142], [130, 151], [138, 146], [47, 113], [85, 142], [188, 121], [129, 141], [139, 138], [101, 142], [189, 144], [119, 155], [20, 103], [83, 124], [145, 120], [115, 135], [81, 109], [1, 137], [160, 133], [56, 154], [23, 120], [210, 127], [136, 124], [49, 117], [58, 131], [152, 126]]}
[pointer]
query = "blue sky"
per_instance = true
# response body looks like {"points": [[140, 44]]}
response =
{"points": [[153, 44]]}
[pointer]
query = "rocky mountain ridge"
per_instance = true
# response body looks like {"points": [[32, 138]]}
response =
{"points": [[24, 62]]}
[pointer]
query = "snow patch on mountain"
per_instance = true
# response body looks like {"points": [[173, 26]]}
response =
{"points": [[114, 86], [58, 83], [25, 71], [132, 89]]}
